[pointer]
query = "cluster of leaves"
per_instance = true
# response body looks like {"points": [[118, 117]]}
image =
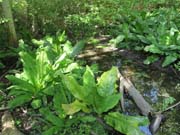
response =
{"points": [[83, 24], [100, 98], [51, 84], [155, 32], [39, 83]]}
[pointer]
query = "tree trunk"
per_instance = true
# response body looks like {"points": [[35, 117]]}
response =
{"points": [[8, 15]]}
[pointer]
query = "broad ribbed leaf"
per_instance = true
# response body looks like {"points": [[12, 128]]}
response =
{"points": [[88, 78], [89, 85], [74, 107], [107, 81], [17, 92], [103, 104], [20, 84], [29, 67], [76, 90], [20, 100], [41, 68], [68, 47], [128, 125]]}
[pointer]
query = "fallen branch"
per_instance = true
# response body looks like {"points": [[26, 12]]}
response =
{"points": [[143, 106]]}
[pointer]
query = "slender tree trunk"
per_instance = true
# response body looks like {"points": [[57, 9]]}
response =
{"points": [[8, 15]]}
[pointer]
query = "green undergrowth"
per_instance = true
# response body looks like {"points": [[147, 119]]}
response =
{"points": [[67, 96], [155, 33]]}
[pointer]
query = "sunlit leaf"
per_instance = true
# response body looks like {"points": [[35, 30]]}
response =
{"points": [[71, 67], [125, 124], [74, 107], [107, 81], [20, 84], [41, 67], [74, 87], [88, 78], [29, 69], [103, 104], [68, 47]]}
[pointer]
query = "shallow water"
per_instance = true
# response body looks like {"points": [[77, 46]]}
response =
{"points": [[160, 89]]}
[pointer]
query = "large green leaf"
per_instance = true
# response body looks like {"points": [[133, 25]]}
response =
{"points": [[74, 107], [20, 84], [35, 69], [89, 85], [29, 69], [128, 125], [168, 60], [73, 86], [20, 100], [103, 104], [16, 92], [41, 68], [153, 49], [88, 78], [107, 81], [68, 47]]}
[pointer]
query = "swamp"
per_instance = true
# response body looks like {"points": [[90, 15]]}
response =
{"points": [[89, 67]]}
